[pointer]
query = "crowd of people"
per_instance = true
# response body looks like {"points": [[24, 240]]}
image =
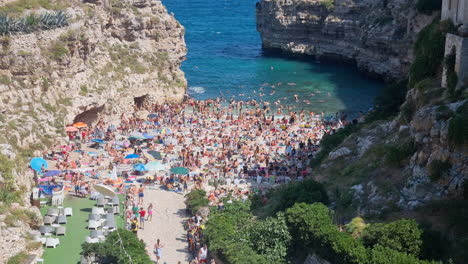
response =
{"points": [[226, 144]]}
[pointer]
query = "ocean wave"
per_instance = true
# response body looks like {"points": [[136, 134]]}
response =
{"points": [[196, 89]]}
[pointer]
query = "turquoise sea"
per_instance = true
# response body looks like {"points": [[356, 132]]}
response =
{"points": [[225, 58]]}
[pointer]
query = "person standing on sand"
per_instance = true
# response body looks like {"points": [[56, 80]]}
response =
{"points": [[158, 250], [142, 218], [150, 212], [141, 194]]}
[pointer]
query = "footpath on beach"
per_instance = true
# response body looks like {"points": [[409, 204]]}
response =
{"points": [[167, 225]]}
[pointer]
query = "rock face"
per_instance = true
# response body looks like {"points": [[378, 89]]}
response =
{"points": [[111, 56], [376, 36]]}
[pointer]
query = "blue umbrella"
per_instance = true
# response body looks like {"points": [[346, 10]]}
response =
{"points": [[152, 115], [100, 141], [52, 173], [36, 164], [132, 156], [139, 167], [148, 136]]}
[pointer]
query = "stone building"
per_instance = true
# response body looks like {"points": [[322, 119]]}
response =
{"points": [[457, 12]]}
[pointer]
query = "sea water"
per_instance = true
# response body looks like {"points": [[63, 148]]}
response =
{"points": [[225, 58]]}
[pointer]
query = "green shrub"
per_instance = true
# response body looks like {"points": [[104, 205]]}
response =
{"points": [[402, 235], [19, 258], [329, 4], [396, 153], [312, 227], [443, 112], [384, 255], [58, 50], [356, 227], [438, 169], [407, 111], [429, 50], [285, 196], [5, 79], [388, 103], [428, 6], [196, 199], [224, 237], [110, 251], [425, 84], [329, 142], [269, 238]]}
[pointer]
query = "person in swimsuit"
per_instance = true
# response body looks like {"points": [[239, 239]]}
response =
{"points": [[141, 194], [158, 250], [150, 212]]}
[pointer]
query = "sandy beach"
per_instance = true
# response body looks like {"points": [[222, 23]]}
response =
{"points": [[167, 225]]}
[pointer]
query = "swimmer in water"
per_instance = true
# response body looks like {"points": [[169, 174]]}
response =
{"points": [[280, 83], [296, 97], [328, 94], [317, 91], [272, 68], [272, 92]]}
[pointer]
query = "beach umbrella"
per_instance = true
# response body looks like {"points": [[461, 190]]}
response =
{"points": [[71, 129], [105, 190], [155, 154], [180, 170], [166, 130], [124, 167], [132, 156], [113, 176], [139, 167], [44, 179], [52, 173], [36, 164], [153, 115], [136, 135], [100, 141], [154, 166], [80, 125], [148, 136]]}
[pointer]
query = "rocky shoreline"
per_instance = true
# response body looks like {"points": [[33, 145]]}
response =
{"points": [[377, 39]]}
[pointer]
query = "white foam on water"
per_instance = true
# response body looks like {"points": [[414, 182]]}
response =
{"points": [[196, 89]]}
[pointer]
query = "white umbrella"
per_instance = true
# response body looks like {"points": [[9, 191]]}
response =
{"points": [[105, 190]]}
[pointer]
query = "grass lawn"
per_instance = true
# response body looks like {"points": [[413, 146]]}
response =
{"points": [[69, 249]]}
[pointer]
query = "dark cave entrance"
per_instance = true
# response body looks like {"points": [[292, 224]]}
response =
{"points": [[90, 116], [140, 101]]}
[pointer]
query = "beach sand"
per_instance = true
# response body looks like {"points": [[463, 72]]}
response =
{"points": [[167, 225]]}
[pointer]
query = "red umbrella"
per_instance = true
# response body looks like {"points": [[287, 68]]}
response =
{"points": [[71, 129]]}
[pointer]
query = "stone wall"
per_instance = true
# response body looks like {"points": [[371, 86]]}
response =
{"points": [[460, 44], [455, 10]]}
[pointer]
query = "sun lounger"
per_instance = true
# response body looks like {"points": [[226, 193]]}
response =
{"points": [[53, 212], [92, 240], [110, 224], [101, 202], [110, 217], [46, 229], [48, 220], [52, 242], [115, 201], [60, 231], [96, 234], [95, 217], [116, 210], [68, 211], [93, 224], [97, 210], [61, 219]]}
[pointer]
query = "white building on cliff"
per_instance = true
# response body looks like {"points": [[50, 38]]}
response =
{"points": [[457, 12]]}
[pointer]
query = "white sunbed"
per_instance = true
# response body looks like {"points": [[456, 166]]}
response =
{"points": [[61, 219], [92, 240], [48, 220], [97, 210], [92, 224], [68, 211], [60, 231], [52, 242]]}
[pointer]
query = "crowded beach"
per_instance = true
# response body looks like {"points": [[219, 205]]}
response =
{"points": [[221, 146]]}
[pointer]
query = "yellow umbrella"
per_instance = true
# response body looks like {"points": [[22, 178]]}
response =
{"points": [[80, 125]]}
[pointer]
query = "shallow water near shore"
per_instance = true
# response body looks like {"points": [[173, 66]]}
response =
{"points": [[225, 59]]}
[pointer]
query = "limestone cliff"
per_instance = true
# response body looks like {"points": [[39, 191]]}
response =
{"points": [[376, 36], [110, 55]]}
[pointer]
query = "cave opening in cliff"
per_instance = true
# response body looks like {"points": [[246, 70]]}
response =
{"points": [[89, 116], [140, 101]]}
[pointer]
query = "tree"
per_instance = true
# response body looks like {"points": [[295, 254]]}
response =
{"points": [[402, 235], [270, 238], [119, 247]]}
